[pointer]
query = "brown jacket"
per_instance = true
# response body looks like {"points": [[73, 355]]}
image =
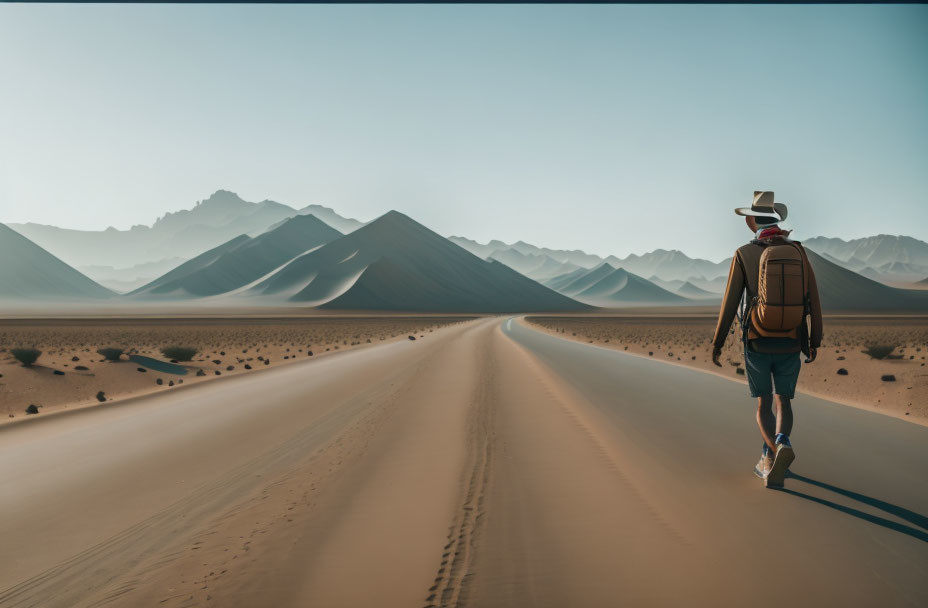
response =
{"points": [[742, 276]]}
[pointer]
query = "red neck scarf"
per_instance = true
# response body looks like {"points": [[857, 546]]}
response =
{"points": [[772, 232]]}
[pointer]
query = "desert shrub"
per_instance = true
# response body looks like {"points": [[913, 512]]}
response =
{"points": [[26, 356], [179, 353], [879, 351], [111, 353]]}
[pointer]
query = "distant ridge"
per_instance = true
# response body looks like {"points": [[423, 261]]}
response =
{"points": [[587, 279], [186, 233], [395, 263], [478, 249], [883, 257], [29, 272], [535, 266], [620, 287], [843, 289], [241, 260], [689, 290], [559, 282], [665, 264], [608, 286]]}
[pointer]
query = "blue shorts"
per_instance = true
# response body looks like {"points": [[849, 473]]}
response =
{"points": [[767, 371]]}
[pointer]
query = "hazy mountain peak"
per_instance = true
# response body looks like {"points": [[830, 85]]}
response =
{"points": [[393, 220], [222, 197], [395, 215], [299, 224], [344, 225], [221, 207]]}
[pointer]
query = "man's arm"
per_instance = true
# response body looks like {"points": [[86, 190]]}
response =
{"points": [[729, 306], [815, 310]]}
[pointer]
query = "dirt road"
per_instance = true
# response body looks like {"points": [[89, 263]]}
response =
{"points": [[484, 465]]}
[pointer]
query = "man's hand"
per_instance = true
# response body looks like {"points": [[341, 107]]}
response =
{"points": [[716, 353], [812, 353]]}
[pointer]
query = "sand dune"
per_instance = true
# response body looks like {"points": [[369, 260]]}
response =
{"points": [[395, 263], [559, 282], [688, 290], [841, 288], [608, 286], [621, 287], [583, 280], [29, 272], [241, 260]]}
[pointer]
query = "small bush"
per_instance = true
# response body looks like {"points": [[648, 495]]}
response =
{"points": [[879, 351], [179, 353], [26, 356], [111, 353]]}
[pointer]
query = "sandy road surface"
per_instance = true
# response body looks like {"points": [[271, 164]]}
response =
{"points": [[485, 465]]}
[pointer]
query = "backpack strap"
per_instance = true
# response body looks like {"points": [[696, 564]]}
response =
{"points": [[747, 301], [805, 260], [804, 344]]}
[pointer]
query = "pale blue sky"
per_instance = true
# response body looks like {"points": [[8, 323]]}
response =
{"points": [[614, 129]]}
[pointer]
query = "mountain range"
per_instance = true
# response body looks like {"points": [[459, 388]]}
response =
{"points": [[662, 263], [179, 236], [274, 253], [146, 252], [395, 263], [882, 257], [536, 266], [242, 260]]}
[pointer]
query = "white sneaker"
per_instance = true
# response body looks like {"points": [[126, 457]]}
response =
{"points": [[763, 466], [785, 457]]}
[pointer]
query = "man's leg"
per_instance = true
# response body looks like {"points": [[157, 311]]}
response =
{"points": [[784, 415], [785, 373], [760, 382], [768, 424]]}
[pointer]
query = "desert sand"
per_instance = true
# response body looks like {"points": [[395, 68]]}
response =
{"points": [[681, 339], [488, 464], [226, 347]]}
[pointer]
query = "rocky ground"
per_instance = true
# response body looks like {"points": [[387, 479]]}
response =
{"points": [[70, 372]]}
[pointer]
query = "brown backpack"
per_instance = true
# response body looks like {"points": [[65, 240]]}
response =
{"points": [[782, 285]]}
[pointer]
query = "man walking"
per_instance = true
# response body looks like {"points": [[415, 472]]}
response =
{"points": [[779, 295]]}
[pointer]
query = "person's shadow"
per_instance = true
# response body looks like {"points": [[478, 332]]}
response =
{"points": [[910, 516]]}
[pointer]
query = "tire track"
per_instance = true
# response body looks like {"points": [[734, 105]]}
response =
{"points": [[455, 571]]}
